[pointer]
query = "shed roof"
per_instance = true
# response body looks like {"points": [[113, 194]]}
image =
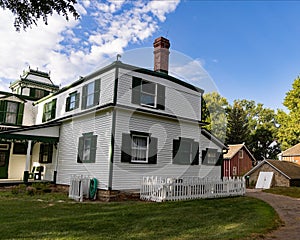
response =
{"points": [[233, 150], [293, 151], [289, 169]]}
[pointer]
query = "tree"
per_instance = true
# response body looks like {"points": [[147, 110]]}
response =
{"points": [[28, 12], [237, 125], [262, 130], [214, 113], [289, 131]]}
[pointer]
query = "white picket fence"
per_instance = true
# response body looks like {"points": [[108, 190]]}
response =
{"points": [[172, 189], [79, 187]]}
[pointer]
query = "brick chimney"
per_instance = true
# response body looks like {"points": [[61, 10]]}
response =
{"points": [[161, 54]]}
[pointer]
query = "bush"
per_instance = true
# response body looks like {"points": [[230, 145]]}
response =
{"points": [[34, 189]]}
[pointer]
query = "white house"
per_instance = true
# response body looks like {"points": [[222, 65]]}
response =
{"points": [[117, 125]]}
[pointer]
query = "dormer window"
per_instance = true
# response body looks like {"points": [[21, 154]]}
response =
{"points": [[148, 93]]}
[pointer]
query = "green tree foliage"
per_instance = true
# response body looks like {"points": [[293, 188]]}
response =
{"points": [[237, 125], [289, 131], [262, 130], [214, 113], [28, 12]]}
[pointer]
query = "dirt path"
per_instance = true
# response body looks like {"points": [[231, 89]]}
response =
{"points": [[289, 211]]}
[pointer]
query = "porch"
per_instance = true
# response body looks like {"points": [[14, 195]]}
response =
{"points": [[29, 153]]}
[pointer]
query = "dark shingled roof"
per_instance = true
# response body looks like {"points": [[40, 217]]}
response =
{"points": [[290, 169]]}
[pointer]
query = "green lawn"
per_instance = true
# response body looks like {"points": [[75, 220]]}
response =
{"points": [[287, 191], [47, 217]]}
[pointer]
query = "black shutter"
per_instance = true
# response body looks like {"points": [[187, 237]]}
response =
{"points": [[195, 149], [80, 149], [152, 151], [20, 114], [136, 90], [126, 148], [53, 108], [176, 144], [77, 97], [204, 160], [93, 148], [32, 92], [44, 110], [84, 97], [161, 97], [2, 111], [50, 153], [42, 147], [97, 92], [220, 159], [68, 102]]}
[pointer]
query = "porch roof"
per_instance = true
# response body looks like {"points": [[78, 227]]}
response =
{"points": [[48, 133]]}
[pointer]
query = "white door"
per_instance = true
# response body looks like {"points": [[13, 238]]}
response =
{"points": [[264, 180]]}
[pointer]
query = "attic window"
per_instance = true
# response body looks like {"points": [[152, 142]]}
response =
{"points": [[241, 153]]}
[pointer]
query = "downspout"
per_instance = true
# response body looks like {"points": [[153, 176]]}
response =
{"points": [[113, 131]]}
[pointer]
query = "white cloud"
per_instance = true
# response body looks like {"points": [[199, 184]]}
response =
{"points": [[70, 49]]}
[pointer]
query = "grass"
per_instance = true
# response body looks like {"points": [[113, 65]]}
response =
{"points": [[47, 217], [286, 191]]}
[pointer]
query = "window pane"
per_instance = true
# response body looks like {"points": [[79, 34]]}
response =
{"points": [[90, 88], [11, 112], [148, 99], [72, 101], [139, 148], [87, 149], [148, 87]]}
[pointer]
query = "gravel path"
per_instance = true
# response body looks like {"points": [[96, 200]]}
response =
{"points": [[289, 211]]}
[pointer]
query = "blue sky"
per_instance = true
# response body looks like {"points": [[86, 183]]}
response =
{"points": [[249, 49]]}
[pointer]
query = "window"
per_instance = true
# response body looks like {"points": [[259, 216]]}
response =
{"points": [[46, 152], [139, 147], [211, 157], [11, 112], [90, 94], [20, 148], [72, 101], [49, 110], [148, 93], [38, 93], [234, 172], [87, 146], [241, 154], [185, 151]]}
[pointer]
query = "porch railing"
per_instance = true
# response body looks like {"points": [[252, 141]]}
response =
{"points": [[172, 189], [79, 187]]}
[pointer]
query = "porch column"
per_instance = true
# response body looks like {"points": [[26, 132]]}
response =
{"points": [[27, 164]]}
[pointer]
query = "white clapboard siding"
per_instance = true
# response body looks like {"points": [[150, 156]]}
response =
{"points": [[127, 175], [100, 125], [106, 96], [180, 101], [173, 189]]}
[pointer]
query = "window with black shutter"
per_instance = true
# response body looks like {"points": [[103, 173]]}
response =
{"points": [[139, 147], [72, 101], [87, 146], [90, 94], [147, 93], [185, 151], [49, 111], [11, 113], [211, 157]]}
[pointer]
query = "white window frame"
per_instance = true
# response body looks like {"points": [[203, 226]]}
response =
{"points": [[241, 154], [11, 117], [150, 94], [211, 157], [134, 148], [90, 94]]}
